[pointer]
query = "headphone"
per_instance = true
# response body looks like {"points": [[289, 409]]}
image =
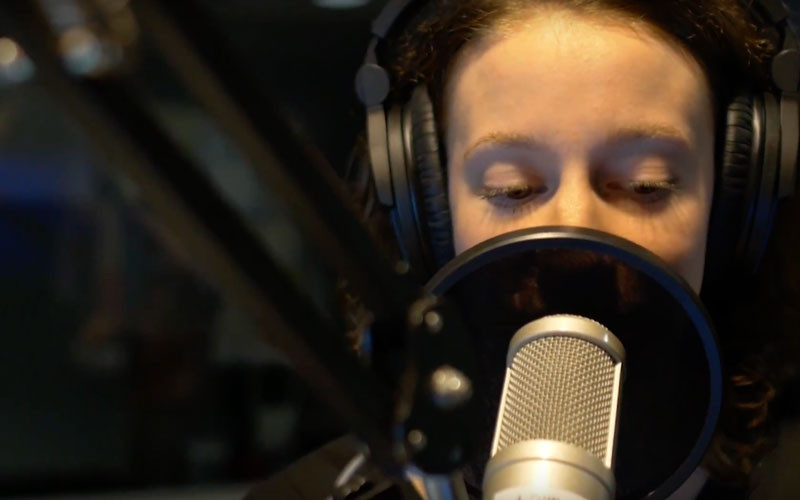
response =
{"points": [[756, 165]]}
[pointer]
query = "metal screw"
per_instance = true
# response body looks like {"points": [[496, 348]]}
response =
{"points": [[450, 387], [417, 440], [419, 309], [85, 54], [434, 322], [401, 267]]}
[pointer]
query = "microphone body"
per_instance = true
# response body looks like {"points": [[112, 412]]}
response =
{"points": [[556, 430]]}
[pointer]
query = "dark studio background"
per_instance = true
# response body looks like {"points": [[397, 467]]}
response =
{"points": [[123, 367]]}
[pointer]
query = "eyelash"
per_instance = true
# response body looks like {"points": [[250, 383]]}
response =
{"points": [[512, 205], [663, 190], [489, 193]]}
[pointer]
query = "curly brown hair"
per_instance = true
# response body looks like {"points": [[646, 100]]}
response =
{"points": [[735, 52]]}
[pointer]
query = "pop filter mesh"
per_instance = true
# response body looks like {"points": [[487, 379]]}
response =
{"points": [[672, 388]]}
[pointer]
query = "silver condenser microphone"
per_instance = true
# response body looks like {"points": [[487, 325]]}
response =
{"points": [[556, 428]]}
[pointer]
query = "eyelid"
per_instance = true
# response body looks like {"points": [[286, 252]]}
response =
{"points": [[645, 192], [648, 169], [665, 183], [507, 165], [670, 183]]}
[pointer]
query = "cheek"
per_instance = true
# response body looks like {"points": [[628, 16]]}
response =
{"points": [[472, 222], [682, 246], [466, 235], [682, 238]]}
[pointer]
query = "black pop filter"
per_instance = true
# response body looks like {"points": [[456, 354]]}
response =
{"points": [[672, 392]]}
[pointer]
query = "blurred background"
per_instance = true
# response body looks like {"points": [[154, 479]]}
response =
{"points": [[123, 367], [124, 370]]}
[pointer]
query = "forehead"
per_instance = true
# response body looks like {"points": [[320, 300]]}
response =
{"points": [[573, 81]]}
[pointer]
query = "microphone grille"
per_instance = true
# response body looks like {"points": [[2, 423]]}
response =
{"points": [[559, 388]]}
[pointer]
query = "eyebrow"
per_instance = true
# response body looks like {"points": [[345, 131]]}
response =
{"points": [[657, 132]]}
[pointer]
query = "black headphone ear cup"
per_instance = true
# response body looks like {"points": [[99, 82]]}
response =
{"points": [[428, 175], [734, 192]]}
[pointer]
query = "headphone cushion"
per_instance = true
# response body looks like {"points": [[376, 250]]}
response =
{"points": [[732, 195], [430, 181], [737, 150]]}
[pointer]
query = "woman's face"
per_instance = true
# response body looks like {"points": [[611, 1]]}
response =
{"points": [[565, 121]]}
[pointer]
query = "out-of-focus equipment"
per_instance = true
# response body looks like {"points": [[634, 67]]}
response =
{"points": [[85, 53]]}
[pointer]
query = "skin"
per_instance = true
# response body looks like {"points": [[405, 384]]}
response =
{"points": [[540, 121]]}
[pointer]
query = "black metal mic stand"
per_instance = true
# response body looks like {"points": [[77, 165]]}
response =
{"points": [[415, 402]]}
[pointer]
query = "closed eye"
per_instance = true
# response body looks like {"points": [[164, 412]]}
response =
{"points": [[514, 193], [645, 191]]}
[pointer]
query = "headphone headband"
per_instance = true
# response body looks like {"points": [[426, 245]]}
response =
{"points": [[388, 16], [785, 65]]}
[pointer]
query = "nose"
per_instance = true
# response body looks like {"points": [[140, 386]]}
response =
{"points": [[574, 202]]}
